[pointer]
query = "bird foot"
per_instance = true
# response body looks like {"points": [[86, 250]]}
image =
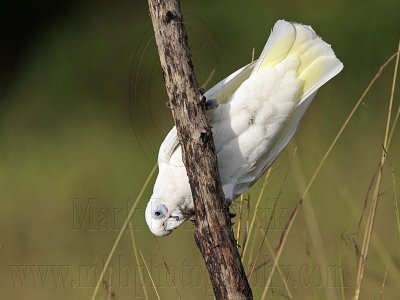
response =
{"points": [[208, 103], [211, 104]]}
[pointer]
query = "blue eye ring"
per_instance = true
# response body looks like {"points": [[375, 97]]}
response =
{"points": [[160, 212]]}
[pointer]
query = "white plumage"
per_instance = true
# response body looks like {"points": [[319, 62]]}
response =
{"points": [[260, 107]]}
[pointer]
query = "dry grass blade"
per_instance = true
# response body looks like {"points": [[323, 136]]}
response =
{"points": [[148, 272], [393, 174], [121, 232], [146, 296], [110, 293], [245, 244], [280, 246], [372, 213], [346, 122], [166, 267], [316, 172], [271, 251], [396, 207], [204, 85], [370, 186], [108, 285], [396, 118], [270, 220], [240, 218], [376, 242], [341, 273], [246, 233], [312, 223], [383, 284]]}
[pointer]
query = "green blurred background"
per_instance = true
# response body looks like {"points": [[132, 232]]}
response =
{"points": [[82, 114]]}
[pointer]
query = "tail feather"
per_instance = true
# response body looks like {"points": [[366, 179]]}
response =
{"points": [[278, 45], [318, 63], [296, 50], [318, 73]]}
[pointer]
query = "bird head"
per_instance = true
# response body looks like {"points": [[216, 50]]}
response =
{"points": [[162, 218]]}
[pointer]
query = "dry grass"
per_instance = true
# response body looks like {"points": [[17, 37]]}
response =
{"points": [[383, 284], [121, 232], [250, 232], [293, 216], [146, 296], [265, 233], [311, 221], [167, 268], [150, 276], [250, 235], [395, 200], [372, 212]]}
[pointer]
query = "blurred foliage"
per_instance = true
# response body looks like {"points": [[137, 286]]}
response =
{"points": [[83, 114]]}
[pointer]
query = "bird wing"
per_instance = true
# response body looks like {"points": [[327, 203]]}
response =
{"points": [[221, 92], [260, 119], [224, 89]]}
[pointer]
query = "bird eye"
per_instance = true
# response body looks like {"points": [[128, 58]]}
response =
{"points": [[160, 212]]}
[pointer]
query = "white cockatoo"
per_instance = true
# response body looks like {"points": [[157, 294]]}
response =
{"points": [[254, 113]]}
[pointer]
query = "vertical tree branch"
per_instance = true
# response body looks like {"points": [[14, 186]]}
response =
{"points": [[214, 235]]}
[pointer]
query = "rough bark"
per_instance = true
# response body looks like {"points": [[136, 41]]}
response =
{"points": [[214, 235]]}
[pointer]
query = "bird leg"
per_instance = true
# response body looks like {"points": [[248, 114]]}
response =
{"points": [[208, 103]]}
